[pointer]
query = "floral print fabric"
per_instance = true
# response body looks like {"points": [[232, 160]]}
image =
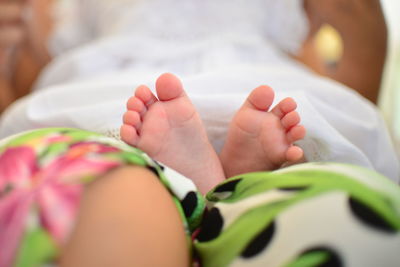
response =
{"points": [[42, 177]]}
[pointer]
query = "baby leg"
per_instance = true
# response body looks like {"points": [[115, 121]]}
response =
{"points": [[127, 218]]}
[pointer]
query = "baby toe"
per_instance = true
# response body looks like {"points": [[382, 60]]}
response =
{"points": [[260, 98], [129, 134], [290, 119], [135, 104], [296, 133], [285, 106], [145, 95], [169, 87], [132, 118], [294, 153]]}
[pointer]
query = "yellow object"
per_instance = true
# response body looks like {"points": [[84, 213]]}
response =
{"points": [[329, 44]]}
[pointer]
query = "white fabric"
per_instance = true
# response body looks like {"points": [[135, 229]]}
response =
{"points": [[221, 52], [78, 21]]}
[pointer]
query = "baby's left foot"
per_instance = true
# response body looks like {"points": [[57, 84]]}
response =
{"points": [[259, 139]]}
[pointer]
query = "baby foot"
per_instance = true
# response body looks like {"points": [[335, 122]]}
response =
{"points": [[169, 130], [260, 140]]}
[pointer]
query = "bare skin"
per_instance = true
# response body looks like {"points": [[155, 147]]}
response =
{"points": [[362, 26], [169, 129], [6, 94], [261, 138], [118, 226], [24, 30]]}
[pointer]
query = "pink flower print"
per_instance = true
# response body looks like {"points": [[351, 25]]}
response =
{"points": [[53, 190], [15, 165]]}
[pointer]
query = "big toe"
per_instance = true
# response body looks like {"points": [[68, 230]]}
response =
{"points": [[260, 98], [168, 87]]}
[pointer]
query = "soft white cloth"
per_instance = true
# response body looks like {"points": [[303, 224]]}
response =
{"points": [[221, 52], [281, 22], [186, 36], [342, 127]]}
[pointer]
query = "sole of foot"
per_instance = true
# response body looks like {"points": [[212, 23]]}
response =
{"points": [[168, 128], [261, 138]]}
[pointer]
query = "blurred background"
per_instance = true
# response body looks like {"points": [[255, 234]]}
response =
{"points": [[390, 100], [330, 48]]}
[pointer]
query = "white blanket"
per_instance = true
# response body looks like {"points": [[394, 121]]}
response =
{"points": [[341, 126]]}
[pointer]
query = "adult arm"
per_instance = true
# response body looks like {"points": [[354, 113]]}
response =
{"points": [[362, 26], [24, 29]]}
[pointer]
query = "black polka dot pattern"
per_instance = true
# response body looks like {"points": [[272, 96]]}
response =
{"points": [[260, 242], [369, 217], [65, 131], [298, 188], [228, 187], [333, 260], [189, 204], [211, 226], [153, 170], [159, 165]]}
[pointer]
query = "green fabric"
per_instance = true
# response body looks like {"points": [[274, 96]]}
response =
{"points": [[303, 185], [52, 151], [309, 183], [316, 182], [312, 259], [36, 248]]}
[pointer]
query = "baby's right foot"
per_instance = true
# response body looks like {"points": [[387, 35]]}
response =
{"points": [[169, 129], [261, 140]]}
